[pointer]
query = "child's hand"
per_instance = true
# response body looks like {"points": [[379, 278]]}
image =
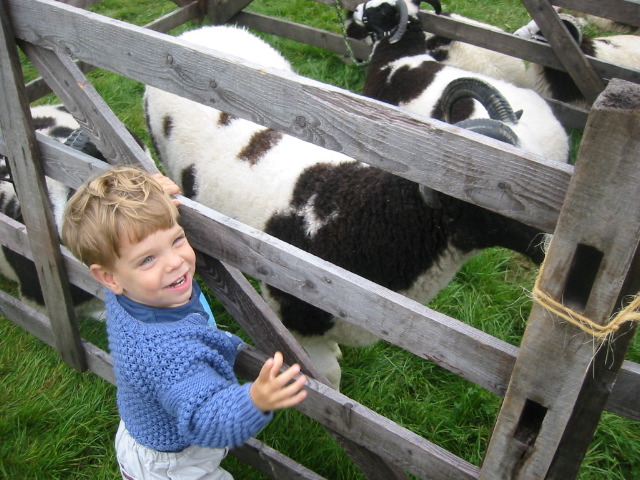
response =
{"points": [[270, 390], [168, 186]]}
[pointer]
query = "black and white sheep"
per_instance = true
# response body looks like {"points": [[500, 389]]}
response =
{"points": [[623, 50], [600, 22], [445, 50], [403, 73], [359, 217]]}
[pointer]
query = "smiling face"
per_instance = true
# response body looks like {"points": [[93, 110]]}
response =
{"points": [[156, 271]]}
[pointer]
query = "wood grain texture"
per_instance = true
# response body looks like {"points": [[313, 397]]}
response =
{"points": [[24, 161], [551, 412]]}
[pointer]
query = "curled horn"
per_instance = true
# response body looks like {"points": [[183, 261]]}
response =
{"points": [[490, 128], [499, 110], [470, 87], [402, 24], [404, 17]]}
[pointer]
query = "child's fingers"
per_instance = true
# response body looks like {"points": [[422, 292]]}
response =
{"points": [[288, 375], [293, 400], [265, 371], [293, 394], [167, 184], [292, 388], [278, 361]]}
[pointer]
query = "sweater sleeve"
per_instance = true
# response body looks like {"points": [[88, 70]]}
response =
{"points": [[212, 411]]}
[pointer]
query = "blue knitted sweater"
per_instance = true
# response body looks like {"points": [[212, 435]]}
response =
{"points": [[175, 382]]}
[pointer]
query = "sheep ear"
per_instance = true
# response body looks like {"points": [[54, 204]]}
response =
{"points": [[437, 7], [430, 197]]}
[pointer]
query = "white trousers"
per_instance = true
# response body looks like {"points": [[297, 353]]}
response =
{"points": [[138, 462]]}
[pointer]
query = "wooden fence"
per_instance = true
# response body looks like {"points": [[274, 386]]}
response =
{"points": [[554, 387]]}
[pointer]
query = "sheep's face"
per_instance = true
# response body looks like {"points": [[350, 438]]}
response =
{"points": [[382, 18], [381, 15]]}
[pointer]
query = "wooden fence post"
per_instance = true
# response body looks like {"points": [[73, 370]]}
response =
{"points": [[564, 373], [565, 48], [26, 168]]}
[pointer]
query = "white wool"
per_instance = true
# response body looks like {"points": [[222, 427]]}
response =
{"points": [[238, 42], [482, 60]]}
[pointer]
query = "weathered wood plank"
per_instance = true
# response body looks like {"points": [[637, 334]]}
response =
{"points": [[302, 33], [271, 462], [625, 11], [190, 11], [90, 110], [444, 157], [626, 391], [267, 331], [566, 48], [550, 412], [509, 44], [37, 88], [369, 429], [568, 115], [80, 3], [30, 185], [248, 308]]}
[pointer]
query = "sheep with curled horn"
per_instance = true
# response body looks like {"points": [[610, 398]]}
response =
{"points": [[623, 50], [403, 73], [392, 21]]}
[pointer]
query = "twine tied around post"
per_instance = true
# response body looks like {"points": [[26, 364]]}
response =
{"points": [[627, 314]]}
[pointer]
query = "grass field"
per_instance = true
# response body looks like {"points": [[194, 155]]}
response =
{"points": [[57, 423]]}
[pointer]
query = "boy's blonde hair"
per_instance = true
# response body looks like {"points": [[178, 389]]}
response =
{"points": [[120, 201]]}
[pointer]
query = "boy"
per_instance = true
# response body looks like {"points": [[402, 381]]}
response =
{"points": [[180, 403]]}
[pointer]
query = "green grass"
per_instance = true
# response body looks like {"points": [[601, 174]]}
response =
{"points": [[58, 423]]}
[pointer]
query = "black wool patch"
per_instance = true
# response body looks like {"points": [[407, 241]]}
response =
{"points": [[41, 123], [167, 126], [188, 181], [261, 142], [225, 119]]}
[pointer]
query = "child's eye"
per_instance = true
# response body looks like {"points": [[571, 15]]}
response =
{"points": [[146, 260], [179, 240]]}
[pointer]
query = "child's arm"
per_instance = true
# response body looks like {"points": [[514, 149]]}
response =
{"points": [[270, 391]]}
